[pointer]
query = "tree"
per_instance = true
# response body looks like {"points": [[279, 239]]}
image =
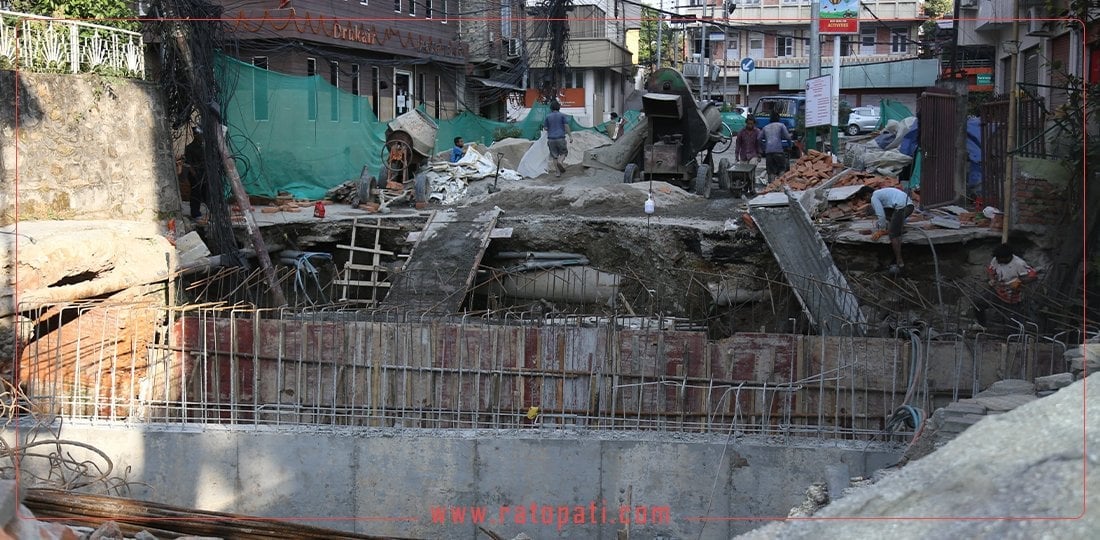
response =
{"points": [[647, 39], [937, 8], [117, 13]]}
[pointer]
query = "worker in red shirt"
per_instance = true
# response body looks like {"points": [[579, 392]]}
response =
{"points": [[1007, 275]]}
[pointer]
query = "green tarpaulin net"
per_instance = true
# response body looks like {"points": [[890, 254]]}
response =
{"points": [[302, 136]]}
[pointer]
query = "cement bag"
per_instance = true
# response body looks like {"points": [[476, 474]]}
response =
{"points": [[536, 159]]}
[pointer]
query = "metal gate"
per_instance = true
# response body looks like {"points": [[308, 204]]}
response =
{"points": [[939, 123], [994, 151], [1030, 141]]}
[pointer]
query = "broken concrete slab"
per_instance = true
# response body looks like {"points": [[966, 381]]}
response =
{"points": [[1053, 382], [1008, 387], [1004, 403], [959, 424], [965, 408]]}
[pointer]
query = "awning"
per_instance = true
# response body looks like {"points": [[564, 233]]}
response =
{"points": [[497, 84]]}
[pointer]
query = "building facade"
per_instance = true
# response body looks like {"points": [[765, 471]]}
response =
{"points": [[494, 31], [397, 53], [1049, 51], [599, 67], [880, 62]]}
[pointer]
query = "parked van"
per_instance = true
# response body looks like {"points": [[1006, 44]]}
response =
{"points": [[789, 107]]}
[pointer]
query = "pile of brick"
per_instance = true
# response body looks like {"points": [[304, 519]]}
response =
{"points": [[810, 170], [814, 168]]}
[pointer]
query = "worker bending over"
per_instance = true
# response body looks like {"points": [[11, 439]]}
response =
{"points": [[892, 206]]}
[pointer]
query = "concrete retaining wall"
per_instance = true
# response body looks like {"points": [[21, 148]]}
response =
{"points": [[387, 482]]}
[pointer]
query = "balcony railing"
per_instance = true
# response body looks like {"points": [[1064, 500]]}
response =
{"points": [[44, 44]]}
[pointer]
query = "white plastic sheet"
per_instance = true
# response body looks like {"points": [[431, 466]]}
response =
{"points": [[536, 160]]}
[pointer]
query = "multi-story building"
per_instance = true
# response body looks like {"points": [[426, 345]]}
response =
{"points": [[881, 62], [398, 53], [1048, 50], [599, 68], [494, 30]]}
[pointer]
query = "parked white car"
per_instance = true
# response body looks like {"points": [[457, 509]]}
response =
{"points": [[862, 119]]}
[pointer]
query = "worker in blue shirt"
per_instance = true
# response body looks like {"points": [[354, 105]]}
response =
{"points": [[771, 141], [458, 151], [891, 206]]}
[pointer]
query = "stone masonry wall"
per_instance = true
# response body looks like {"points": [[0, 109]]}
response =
{"points": [[89, 147]]}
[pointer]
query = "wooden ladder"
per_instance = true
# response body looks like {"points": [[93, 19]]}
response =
{"points": [[371, 274]]}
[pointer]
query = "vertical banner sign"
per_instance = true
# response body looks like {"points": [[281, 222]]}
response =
{"points": [[819, 110], [839, 17]]}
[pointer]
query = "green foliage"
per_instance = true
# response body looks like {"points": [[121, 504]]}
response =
{"points": [[510, 131], [647, 39], [116, 13], [937, 8]]}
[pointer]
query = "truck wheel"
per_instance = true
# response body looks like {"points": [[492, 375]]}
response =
{"points": [[702, 181], [630, 174]]}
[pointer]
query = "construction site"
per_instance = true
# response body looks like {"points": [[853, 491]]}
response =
{"points": [[650, 344]]}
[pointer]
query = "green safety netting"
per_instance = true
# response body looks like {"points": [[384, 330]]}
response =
{"points": [[302, 136], [892, 110]]}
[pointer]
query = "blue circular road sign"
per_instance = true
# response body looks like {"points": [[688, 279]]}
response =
{"points": [[748, 64]]}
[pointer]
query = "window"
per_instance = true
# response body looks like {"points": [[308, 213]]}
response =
{"points": [[867, 40], [334, 97], [506, 20], [586, 22], [846, 43], [259, 88], [756, 45], [311, 93], [412, 8], [397, 5], [438, 95], [375, 85], [443, 10], [428, 9], [701, 45], [732, 39], [420, 87], [899, 40], [356, 114], [784, 46]]}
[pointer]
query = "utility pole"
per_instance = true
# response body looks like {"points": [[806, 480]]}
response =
{"points": [[660, 32], [1013, 105], [834, 138], [815, 60]]}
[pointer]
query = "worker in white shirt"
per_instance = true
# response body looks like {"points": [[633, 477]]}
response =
{"points": [[892, 206]]}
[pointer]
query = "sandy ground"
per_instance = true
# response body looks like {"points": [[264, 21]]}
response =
{"points": [[593, 192]]}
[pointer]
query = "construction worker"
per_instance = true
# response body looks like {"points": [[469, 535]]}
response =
{"points": [[771, 140], [891, 207], [557, 129]]}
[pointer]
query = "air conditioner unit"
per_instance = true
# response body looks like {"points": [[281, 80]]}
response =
{"points": [[515, 47], [1035, 26]]}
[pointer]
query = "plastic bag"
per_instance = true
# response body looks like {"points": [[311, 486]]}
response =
{"points": [[536, 159]]}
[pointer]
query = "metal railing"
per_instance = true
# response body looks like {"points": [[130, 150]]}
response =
{"points": [[36, 43]]}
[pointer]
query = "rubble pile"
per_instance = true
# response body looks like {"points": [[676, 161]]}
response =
{"points": [[810, 170]]}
